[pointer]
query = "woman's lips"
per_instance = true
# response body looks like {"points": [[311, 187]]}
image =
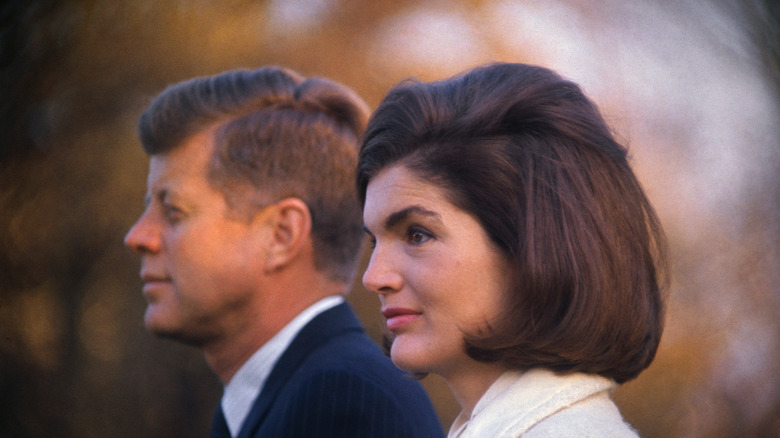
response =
{"points": [[398, 317]]}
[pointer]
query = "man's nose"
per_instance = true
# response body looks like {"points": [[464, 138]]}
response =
{"points": [[144, 236]]}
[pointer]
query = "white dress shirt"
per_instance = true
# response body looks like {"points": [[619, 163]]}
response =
{"points": [[242, 390]]}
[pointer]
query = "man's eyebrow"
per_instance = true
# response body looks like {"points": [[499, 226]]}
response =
{"points": [[161, 195]]}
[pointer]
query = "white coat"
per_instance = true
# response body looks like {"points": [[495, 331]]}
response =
{"points": [[539, 403]]}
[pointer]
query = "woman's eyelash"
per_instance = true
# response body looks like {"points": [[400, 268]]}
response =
{"points": [[418, 235], [415, 235]]}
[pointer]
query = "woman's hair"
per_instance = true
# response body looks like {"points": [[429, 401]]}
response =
{"points": [[530, 157], [278, 134]]}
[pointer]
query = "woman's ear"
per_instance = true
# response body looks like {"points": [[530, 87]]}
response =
{"points": [[290, 221]]}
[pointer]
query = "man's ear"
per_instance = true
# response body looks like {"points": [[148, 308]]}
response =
{"points": [[290, 232]]}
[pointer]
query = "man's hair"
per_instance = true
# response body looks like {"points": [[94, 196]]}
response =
{"points": [[530, 157], [277, 135]]}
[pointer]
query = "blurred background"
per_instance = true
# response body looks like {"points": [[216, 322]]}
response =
{"points": [[692, 87]]}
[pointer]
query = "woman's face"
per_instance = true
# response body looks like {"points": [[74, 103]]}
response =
{"points": [[437, 273]]}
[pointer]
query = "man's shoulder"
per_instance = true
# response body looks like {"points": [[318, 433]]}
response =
{"points": [[350, 377], [335, 339], [357, 402], [354, 354], [334, 377]]}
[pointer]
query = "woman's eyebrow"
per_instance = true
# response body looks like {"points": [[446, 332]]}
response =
{"points": [[395, 218]]}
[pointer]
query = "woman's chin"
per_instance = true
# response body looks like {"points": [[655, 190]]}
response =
{"points": [[408, 359]]}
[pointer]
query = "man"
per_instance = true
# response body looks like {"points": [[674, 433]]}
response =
{"points": [[248, 243]]}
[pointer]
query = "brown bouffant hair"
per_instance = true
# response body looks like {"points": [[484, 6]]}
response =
{"points": [[530, 157], [277, 135]]}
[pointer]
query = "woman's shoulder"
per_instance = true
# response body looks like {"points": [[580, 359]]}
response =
{"points": [[541, 403], [595, 416]]}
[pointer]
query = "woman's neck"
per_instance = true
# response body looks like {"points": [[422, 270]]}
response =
{"points": [[469, 383]]}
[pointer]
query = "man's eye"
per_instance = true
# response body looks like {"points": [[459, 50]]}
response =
{"points": [[173, 213]]}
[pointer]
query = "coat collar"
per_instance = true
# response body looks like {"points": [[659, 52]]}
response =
{"points": [[332, 322], [519, 400]]}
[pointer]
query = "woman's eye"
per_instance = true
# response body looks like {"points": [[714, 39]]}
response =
{"points": [[417, 236]]}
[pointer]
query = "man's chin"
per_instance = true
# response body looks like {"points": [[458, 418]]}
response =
{"points": [[168, 328], [161, 331], [161, 325]]}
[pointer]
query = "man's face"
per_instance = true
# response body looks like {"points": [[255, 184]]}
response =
{"points": [[199, 263]]}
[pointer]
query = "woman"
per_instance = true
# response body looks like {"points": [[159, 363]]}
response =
{"points": [[514, 251]]}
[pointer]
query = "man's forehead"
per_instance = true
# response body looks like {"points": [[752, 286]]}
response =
{"points": [[168, 174], [191, 157]]}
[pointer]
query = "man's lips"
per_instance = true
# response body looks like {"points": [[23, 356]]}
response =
{"points": [[152, 282], [398, 317], [154, 278]]}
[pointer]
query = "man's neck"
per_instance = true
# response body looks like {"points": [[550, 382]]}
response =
{"points": [[226, 356]]}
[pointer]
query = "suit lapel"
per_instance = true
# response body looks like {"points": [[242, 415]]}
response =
{"points": [[323, 327], [219, 427]]}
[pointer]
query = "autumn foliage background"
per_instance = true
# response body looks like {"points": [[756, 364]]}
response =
{"points": [[693, 87]]}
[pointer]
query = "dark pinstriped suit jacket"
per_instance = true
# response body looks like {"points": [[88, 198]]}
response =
{"points": [[333, 381]]}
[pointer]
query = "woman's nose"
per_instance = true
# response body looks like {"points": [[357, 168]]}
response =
{"points": [[382, 275]]}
